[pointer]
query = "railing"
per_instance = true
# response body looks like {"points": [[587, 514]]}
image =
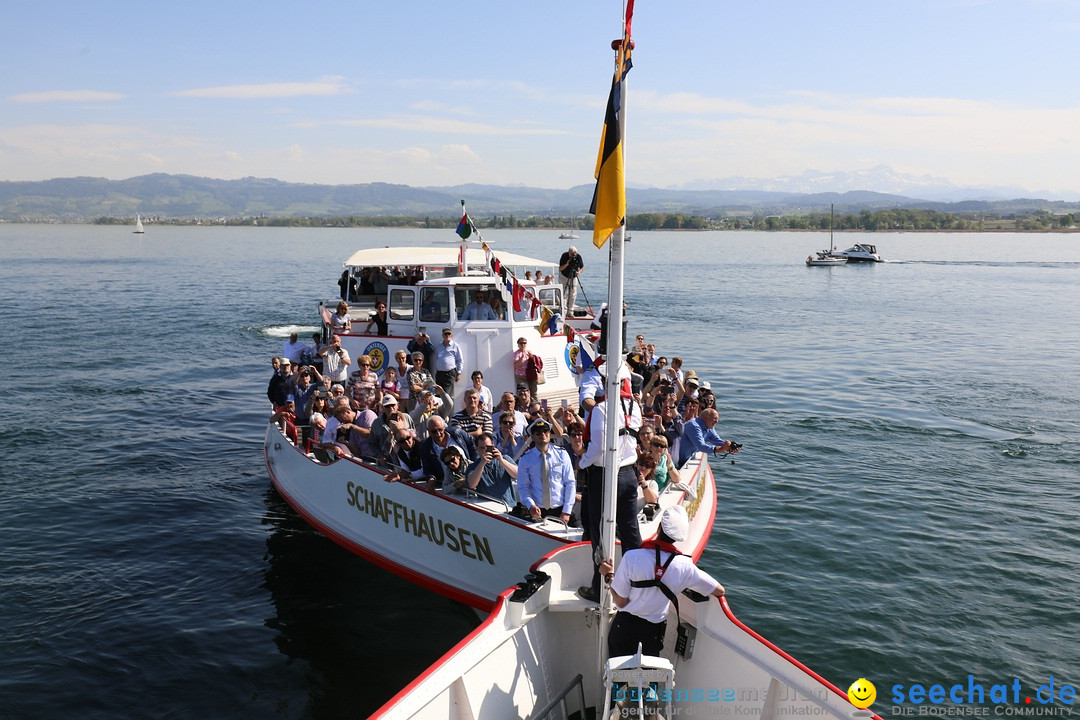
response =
{"points": [[560, 700]]}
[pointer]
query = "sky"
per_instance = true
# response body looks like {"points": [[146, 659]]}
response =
{"points": [[979, 92]]}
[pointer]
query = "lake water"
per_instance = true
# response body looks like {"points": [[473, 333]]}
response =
{"points": [[905, 508]]}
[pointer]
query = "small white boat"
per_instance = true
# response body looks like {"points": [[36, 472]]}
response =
{"points": [[569, 235], [860, 253], [823, 258], [138, 226]]}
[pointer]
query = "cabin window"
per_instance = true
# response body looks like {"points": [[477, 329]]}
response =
{"points": [[401, 304], [435, 305], [551, 297], [462, 298]]}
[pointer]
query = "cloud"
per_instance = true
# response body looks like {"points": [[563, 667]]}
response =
{"points": [[65, 96], [424, 124], [969, 141], [325, 86]]}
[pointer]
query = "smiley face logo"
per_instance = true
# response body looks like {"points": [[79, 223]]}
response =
{"points": [[862, 693]]}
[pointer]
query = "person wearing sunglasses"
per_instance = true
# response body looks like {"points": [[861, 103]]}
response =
{"points": [[664, 470], [546, 480], [378, 320]]}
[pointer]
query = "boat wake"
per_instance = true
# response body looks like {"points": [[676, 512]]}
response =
{"points": [[1065, 265], [284, 331]]}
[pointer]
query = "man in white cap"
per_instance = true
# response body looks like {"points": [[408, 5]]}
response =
{"points": [[646, 584], [570, 266]]}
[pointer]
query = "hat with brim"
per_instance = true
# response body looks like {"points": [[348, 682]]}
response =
{"points": [[539, 426], [675, 523]]}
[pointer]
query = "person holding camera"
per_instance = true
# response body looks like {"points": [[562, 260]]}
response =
{"points": [[492, 474], [390, 425], [570, 266], [439, 438], [340, 322], [699, 435], [336, 361]]}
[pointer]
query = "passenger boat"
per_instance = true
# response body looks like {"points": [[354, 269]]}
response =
{"points": [[469, 548], [542, 651]]}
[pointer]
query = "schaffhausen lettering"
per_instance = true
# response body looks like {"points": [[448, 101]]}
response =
{"points": [[419, 524]]}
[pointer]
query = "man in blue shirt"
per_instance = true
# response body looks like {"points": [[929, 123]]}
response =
{"points": [[448, 362], [546, 481], [699, 436], [479, 309]]}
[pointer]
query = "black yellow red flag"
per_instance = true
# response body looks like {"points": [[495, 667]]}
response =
{"points": [[609, 195]]}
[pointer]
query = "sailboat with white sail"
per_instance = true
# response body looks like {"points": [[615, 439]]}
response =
{"points": [[139, 229], [543, 652]]}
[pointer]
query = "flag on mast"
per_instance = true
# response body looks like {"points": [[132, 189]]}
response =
{"points": [[464, 228], [609, 195]]}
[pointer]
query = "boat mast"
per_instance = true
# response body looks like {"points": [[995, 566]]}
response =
{"points": [[613, 362], [831, 246]]}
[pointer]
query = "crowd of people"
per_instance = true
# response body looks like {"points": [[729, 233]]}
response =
{"points": [[512, 446]]}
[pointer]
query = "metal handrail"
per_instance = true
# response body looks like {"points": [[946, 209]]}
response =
{"points": [[560, 699], [472, 492]]}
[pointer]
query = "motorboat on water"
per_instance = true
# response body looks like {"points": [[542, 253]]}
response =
{"points": [[569, 235], [859, 253], [467, 547], [537, 650]]}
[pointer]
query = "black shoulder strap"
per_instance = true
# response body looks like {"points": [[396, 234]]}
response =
{"points": [[656, 582]]}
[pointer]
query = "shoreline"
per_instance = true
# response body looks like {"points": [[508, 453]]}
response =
{"points": [[248, 224]]}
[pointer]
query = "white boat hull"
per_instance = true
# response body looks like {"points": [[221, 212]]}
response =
{"points": [[468, 550], [529, 650]]}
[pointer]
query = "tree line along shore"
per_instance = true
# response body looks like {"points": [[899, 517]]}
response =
{"points": [[895, 220]]}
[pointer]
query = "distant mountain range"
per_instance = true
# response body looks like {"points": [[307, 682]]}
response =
{"points": [[881, 179], [186, 196]]}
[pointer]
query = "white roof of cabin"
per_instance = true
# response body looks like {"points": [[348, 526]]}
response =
{"points": [[440, 256]]}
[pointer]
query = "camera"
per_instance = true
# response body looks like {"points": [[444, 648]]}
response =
{"points": [[735, 446]]}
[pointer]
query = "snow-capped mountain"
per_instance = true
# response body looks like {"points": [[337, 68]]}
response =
{"points": [[882, 179]]}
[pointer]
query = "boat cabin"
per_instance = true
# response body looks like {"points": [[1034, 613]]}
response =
{"points": [[428, 289]]}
